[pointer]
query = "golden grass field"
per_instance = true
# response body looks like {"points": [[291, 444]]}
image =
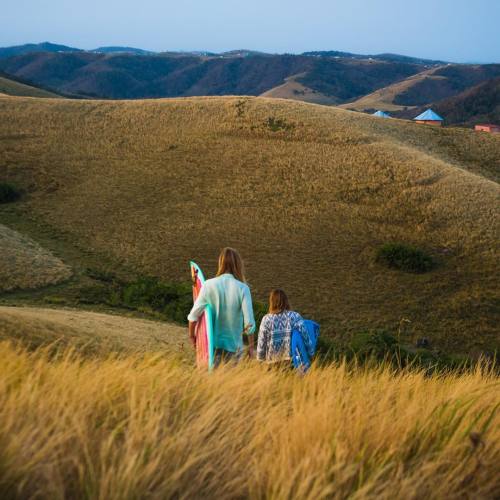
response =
{"points": [[13, 88], [25, 264], [91, 332], [152, 184], [145, 426]]}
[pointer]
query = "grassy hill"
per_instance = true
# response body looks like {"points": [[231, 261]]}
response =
{"points": [[25, 264], [293, 89], [90, 332], [16, 88], [307, 193]]}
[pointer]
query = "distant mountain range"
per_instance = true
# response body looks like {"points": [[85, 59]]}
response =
{"points": [[399, 84], [379, 57], [131, 76], [51, 47], [27, 48]]}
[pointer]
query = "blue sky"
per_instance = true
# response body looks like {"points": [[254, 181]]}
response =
{"points": [[457, 30]]}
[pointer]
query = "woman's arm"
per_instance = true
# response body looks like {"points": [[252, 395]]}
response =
{"points": [[247, 309]]}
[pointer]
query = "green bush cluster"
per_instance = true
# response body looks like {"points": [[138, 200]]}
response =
{"points": [[405, 258], [171, 301], [8, 193], [277, 124]]}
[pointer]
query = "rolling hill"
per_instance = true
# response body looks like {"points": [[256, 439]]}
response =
{"points": [[25, 264], [8, 86], [28, 48], [89, 331], [121, 50], [307, 193], [293, 89]]}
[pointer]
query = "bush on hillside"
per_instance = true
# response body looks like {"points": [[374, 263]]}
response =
{"points": [[277, 124], [373, 344], [172, 301], [405, 258], [8, 193]]}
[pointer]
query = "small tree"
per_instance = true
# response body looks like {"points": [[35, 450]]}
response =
{"points": [[8, 193]]}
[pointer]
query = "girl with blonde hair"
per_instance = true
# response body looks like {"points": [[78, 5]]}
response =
{"points": [[231, 302]]}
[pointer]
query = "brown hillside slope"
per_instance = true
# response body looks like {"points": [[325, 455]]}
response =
{"points": [[479, 104], [25, 264], [292, 89], [90, 331], [13, 88], [384, 98], [307, 193]]}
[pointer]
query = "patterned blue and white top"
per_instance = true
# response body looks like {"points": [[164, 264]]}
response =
{"points": [[275, 335]]}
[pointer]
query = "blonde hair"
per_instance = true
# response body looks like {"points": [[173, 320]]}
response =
{"points": [[278, 301], [230, 262]]}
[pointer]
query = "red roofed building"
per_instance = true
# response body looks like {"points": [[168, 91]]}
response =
{"points": [[488, 127]]}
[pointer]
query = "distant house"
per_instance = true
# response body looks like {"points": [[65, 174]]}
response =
{"points": [[429, 118], [488, 127], [381, 114]]}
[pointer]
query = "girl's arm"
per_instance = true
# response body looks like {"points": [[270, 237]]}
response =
{"points": [[262, 340]]}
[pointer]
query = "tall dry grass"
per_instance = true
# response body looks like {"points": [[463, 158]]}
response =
{"points": [[147, 427]]}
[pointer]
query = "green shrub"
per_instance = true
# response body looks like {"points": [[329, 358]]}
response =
{"points": [[373, 344], [173, 300], [405, 258], [94, 294], [277, 124], [8, 193], [259, 311]]}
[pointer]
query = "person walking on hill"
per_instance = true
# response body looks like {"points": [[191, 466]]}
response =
{"points": [[231, 302], [275, 332]]}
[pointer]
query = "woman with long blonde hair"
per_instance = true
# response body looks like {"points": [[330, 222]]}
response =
{"points": [[231, 302]]}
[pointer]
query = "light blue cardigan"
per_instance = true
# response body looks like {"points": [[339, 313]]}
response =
{"points": [[232, 309]]}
